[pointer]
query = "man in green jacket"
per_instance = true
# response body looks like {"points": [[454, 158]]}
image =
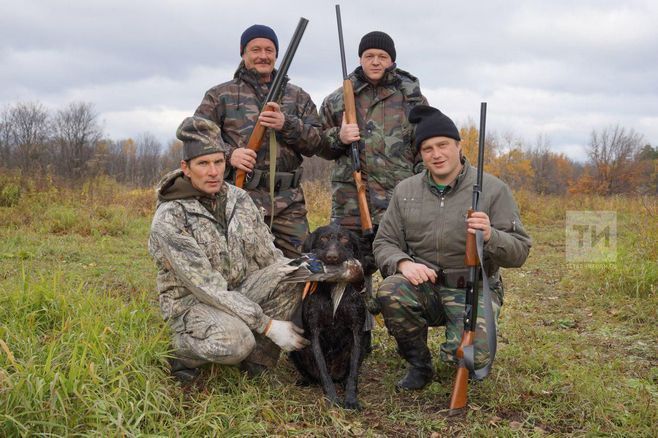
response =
{"points": [[420, 246], [384, 95], [235, 106]]}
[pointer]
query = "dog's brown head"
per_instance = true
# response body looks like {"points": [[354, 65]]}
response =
{"points": [[332, 244]]}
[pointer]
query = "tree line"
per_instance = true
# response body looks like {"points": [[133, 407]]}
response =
{"points": [[70, 144]]}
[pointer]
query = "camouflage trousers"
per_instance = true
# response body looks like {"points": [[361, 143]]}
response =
{"points": [[409, 310], [206, 334], [290, 225]]}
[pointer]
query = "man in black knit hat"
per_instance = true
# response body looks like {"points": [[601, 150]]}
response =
{"points": [[384, 95], [421, 243]]}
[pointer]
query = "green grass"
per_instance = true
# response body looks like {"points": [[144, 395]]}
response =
{"points": [[83, 348]]}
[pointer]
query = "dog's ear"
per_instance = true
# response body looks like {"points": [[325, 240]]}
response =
{"points": [[355, 244], [309, 242]]}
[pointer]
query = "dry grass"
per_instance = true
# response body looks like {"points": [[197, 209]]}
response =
{"points": [[83, 347]]}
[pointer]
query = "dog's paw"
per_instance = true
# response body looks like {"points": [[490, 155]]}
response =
{"points": [[333, 401], [302, 382], [352, 404]]}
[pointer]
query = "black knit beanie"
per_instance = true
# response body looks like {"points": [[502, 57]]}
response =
{"points": [[258, 31], [377, 40], [430, 122]]}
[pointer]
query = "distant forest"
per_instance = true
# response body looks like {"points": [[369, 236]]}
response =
{"points": [[69, 144]]}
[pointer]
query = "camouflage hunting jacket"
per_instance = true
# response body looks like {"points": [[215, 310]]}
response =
{"points": [[235, 106], [198, 262], [213, 258], [387, 147], [429, 227]]}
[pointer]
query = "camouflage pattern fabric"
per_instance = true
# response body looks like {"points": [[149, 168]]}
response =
{"points": [[218, 288], [234, 106], [386, 148], [290, 225], [408, 310]]}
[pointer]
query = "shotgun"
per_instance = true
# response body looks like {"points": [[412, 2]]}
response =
{"points": [[275, 93], [350, 117], [471, 260]]}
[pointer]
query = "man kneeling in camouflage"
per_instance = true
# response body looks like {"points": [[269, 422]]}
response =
{"points": [[227, 293], [421, 242]]}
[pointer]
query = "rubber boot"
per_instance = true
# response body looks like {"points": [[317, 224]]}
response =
{"points": [[252, 369], [420, 371], [181, 372]]}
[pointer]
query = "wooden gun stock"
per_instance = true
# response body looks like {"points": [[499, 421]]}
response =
{"points": [[471, 255], [350, 118], [255, 140], [459, 394]]}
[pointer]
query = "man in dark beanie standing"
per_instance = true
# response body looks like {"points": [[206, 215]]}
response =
{"points": [[384, 95], [226, 291], [421, 243], [236, 107]]}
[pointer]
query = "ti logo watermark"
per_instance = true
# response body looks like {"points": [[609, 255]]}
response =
{"points": [[591, 236]]}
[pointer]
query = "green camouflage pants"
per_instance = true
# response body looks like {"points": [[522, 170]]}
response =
{"points": [[408, 310], [290, 225]]}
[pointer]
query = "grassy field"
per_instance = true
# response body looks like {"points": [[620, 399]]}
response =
{"points": [[83, 348]]}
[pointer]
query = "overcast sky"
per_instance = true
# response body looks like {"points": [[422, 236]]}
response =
{"points": [[553, 68]]}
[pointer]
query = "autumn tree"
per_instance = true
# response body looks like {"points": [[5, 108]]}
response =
{"points": [[27, 127], [612, 167], [514, 168], [147, 165], [76, 132], [470, 136], [553, 173], [171, 158]]}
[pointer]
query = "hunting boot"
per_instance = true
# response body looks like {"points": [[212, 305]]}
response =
{"points": [[252, 369], [182, 372], [420, 372]]}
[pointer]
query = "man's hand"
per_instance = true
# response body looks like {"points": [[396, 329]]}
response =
{"points": [[272, 119], [416, 273], [479, 221], [243, 159], [349, 132], [286, 335]]}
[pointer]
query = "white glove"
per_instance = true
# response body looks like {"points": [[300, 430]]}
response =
{"points": [[286, 335]]}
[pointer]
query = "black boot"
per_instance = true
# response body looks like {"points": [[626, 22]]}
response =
{"points": [[420, 371], [252, 369], [181, 372]]}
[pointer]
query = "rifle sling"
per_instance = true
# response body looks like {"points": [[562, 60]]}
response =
{"points": [[272, 173], [489, 320]]}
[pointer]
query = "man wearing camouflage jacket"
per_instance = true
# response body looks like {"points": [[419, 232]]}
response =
{"points": [[226, 291], [421, 242], [235, 106], [384, 95]]}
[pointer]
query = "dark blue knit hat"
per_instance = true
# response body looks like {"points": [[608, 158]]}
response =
{"points": [[258, 31]]}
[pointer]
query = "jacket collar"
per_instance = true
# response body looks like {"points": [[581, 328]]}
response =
{"points": [[391, 79]]}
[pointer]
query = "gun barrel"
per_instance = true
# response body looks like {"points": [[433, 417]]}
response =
{"points": [[275, 88], [481, 139], [340, 42]]}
